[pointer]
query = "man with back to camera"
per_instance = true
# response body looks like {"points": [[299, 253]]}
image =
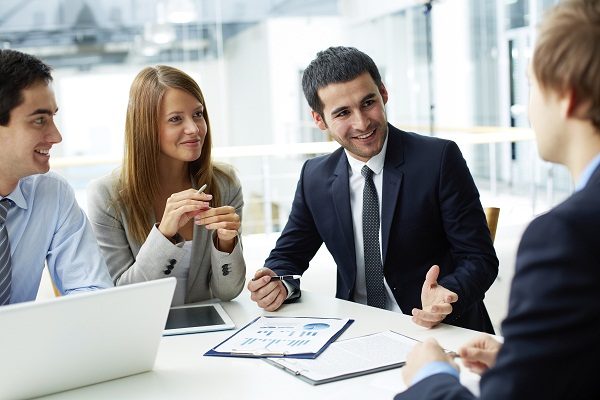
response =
{"points": [[40, 220], [430, 256], [551, 347]]}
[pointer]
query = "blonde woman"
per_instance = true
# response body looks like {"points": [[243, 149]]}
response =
{"points": [[149, 217]]}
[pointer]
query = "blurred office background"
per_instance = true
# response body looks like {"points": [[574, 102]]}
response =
{"points": [[453, 68]]}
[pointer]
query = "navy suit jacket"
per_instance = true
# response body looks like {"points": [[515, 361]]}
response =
{"points": [[552, 331], [431, 214]]}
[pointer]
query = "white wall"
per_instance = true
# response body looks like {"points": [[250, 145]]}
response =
{"points": [[293, 44], [452, 67], [92, 106], [248, 87], [358, 10], [265, 98]]}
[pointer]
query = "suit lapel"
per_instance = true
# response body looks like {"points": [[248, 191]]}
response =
{"points": [[340, 193], [392, 180], [595, 178]]}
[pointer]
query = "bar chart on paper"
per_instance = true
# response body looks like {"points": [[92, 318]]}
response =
{"points": [[284, 336]]}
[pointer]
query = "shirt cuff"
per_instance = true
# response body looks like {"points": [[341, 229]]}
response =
{"points": [[433, 368]]}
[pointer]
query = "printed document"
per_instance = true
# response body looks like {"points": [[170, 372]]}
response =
{"points": [[351, 357], [283, 336]]}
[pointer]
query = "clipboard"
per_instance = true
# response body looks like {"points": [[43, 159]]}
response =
{"points": [[351, 358], [282, 337]]}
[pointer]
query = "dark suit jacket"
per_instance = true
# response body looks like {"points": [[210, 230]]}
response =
{"points": [[431, 214], [552, 331]]}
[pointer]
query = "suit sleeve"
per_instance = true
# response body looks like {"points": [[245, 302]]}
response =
{"points": [[550, 348], [476, 264], [436, 387], [229, 269], [300, 239], [110, 232], [552, 327]]}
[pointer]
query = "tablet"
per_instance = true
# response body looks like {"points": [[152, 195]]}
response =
{"points": [[193, 318]]}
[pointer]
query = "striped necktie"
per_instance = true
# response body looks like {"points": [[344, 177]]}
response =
{"points": [[372, 252], [5, 267]]}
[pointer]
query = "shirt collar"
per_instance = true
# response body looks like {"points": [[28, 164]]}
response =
{"points": [[17, 197], [375, 163], [588, 172]]}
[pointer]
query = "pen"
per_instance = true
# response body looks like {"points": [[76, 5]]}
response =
{"points": [[284, 278], [202, 189], [453, 354]]}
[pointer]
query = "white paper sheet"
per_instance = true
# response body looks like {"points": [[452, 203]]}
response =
{"points": [[283, 336], [352, 357]]}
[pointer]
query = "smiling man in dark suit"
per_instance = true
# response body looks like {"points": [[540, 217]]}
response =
{"points": [[551, 347], [399, 212]]}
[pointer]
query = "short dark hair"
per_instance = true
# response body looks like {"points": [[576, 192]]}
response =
{"points": [[18, 71], [335, 65]]}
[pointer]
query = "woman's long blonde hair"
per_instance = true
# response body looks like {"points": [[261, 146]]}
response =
{"points": [[138, 185]]}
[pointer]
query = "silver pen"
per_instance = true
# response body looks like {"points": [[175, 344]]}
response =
{"points": [[202, 188], [284, 278]]}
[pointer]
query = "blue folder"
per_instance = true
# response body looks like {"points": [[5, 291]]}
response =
{"points": [[213, 352]]}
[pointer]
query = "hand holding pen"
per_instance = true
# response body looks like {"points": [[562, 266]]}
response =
{"points": [[180, 207], [422, 354], [275, 278], [284, 278], [479, 354], [267, 288], [225, 221]]}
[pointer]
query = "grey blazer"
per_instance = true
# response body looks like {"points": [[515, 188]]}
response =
{"points": [[212, 273]]}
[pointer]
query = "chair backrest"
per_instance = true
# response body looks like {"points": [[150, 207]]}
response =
{"points": [[491, 216], [55, 290]]}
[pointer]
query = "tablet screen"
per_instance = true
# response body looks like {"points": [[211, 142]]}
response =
{"points": [[193, 316], [197, 318]]}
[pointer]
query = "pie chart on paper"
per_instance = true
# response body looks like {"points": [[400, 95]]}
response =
{"points": [[315, 326]]}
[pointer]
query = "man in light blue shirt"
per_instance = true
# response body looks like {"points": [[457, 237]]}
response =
{"points": [[43, 222]]}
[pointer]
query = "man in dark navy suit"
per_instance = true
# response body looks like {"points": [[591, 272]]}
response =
{"points": [[399, 212], [552, 332]]}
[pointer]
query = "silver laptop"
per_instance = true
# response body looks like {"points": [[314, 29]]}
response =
{"points": [[80, 339]]}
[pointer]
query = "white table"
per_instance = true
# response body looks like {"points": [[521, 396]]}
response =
{"points": [[182, 372]]}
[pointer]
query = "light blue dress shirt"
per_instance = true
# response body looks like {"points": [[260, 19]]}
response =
{"points": [[587, 173], [45, 223], [432, 368]]}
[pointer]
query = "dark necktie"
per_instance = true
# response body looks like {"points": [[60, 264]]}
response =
{"points": [[5, 268], [370, 219]]}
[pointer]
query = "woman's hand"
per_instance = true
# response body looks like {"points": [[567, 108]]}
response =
{"points": [[180, 208], [225, 221]]}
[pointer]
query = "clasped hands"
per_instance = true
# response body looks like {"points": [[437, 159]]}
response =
{"points": [[183, 206], [478, 355]]}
